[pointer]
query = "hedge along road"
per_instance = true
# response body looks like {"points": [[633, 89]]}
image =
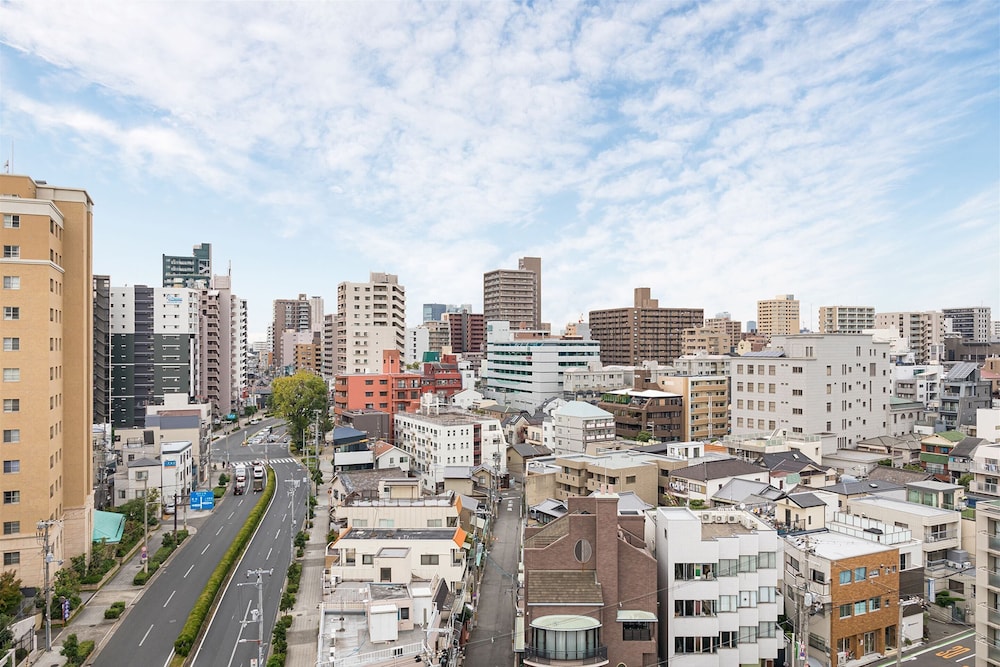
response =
{"points": [[228, 642], [149, 629]]}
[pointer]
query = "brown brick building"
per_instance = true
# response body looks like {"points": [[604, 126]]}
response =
{"points": [[589, 588], [629, 336]]}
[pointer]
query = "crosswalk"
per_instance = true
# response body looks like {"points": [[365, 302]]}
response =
{"points": [[287, 459]]}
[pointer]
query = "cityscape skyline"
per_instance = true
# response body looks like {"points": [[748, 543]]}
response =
{"points": [[837, 152]]}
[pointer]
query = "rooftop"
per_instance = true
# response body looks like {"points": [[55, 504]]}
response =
{"points": [[835, 546], [903, 506]]}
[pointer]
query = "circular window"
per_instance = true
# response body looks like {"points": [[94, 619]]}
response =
{"points": [[583, 551]]}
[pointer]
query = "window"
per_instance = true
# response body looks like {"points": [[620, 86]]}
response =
{"points": [[796, 369], [766, 628], [748, 634], [11, 313], [11, 344], [793, 563], [767, 559], [748, 564], [636, 631], [11, 557], [11, 527], [845, 577], [434, 523], [727, 567], [860, 607], [11, 497], [12, 282], [728, 603], [11, 435], [767, 594], [11, 221], [404, 613], [11, 405], [11, 467], [748, 598], [796, 392], [367, 559], [11, 251], [796, 411], [874, 604], [727, 639], [845, 610], [694, 607], [860, 573], [428, 559]]}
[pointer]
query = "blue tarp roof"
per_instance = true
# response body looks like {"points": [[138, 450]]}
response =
{"points": [[108, 526]]}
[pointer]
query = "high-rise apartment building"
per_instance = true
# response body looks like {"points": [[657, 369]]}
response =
{"points": [[705, 400], [371, 318], [292, 315], [515, 296], [467, 332], [970, 323], [724, 323], [46, 386], [194, 272], [154, 337], [813, 383], [102, 349], [644, 332], [924, 330], [778, 316], [846, 319], [222, 336]]}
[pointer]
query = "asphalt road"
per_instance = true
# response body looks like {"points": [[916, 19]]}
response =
{"points": [[233, 633], [491, 642], [959, 650], [151, 626]]}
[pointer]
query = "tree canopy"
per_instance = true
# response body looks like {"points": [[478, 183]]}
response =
{"points": [[296, 398]]}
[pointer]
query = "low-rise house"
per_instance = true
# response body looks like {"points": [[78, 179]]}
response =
{"points": [[845, 491], [853, 462], [751, 447], [800, 511], [400, 505], [900, 449], [792, 468], [389, 456], [366, 484], [519, 455], [703, 480], [757, 497]]}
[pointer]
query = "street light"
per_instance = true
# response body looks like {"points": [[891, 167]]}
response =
{"points": [[42, 533]]}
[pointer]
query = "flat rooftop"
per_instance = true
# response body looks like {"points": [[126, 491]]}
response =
{"points": [[400, 534], [837, 546], [904, 506]]}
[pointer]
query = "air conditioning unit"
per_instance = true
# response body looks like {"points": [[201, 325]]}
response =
{"points": [[719, 518], [706, 518], [734, 518]]}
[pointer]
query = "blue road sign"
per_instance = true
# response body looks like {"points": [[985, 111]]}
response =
{"points": [[65, 609], [202, 500]]}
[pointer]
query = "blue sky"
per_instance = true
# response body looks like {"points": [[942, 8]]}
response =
{"points": [[718, 153]]}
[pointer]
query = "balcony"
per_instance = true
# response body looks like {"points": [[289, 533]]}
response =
{"points": [[592, 656]]}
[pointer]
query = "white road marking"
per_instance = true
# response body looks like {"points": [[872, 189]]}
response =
{"points": [[205, 549], [145, 635], [231, 514], [190, 568], [268, 556], [237, 644], [220, 529], [169, 598], [277, 534]]}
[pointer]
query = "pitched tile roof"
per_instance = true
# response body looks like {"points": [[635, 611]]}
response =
{"points": [[563, 587], [717, 469]]}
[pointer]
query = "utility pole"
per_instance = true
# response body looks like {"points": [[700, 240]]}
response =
{"points": [[145, 525], [258, 613], [42, 533]]}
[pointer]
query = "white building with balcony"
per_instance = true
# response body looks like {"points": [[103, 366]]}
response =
{"points": [[988, 584], [939, 530], [718, 576], [582, 428]]}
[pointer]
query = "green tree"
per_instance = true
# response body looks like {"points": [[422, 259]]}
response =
{"points": [[965, 479], [296, 398], [643, 436], [10, 594]]}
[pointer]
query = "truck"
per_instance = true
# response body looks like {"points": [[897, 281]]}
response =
{"points": [[258, 478], [239, 479]]}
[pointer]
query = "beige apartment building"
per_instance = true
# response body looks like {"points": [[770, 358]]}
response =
{"points": [[515, 295], [644, 332], [778, 316], [846, 319], [705, 340], [924, 330], [705, 411], [47, 382]]}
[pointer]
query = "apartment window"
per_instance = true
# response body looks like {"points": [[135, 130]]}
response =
{"points": [[796, 392], [11, 527], [11, 221], [11, 405], [796, 411], [845, 610], [630, 479], [11, 467], [767, 594], [748, 598], [434, 523], [11, 344], [748, 564], [767, 559], [728, 567], [428, 559], [860, 607], [404, 613], [860, 573], [367, 559], [766, 628], [11, 557], [12, 375], [845, 577], [12, 251], [11, 435], [796, 369], [11, 497], [636, 631], [771, 388], [11, 313], [728, 603], [748, 634], [12, 282], [874, 604], [728, 638]]}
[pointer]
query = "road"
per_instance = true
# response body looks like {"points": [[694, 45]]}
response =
{"points": [[151, 626], [491, 643], [233, 633], [959, 650]]}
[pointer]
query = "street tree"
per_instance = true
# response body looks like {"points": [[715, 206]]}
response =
{"points": [[296, 399], [10, 593]]}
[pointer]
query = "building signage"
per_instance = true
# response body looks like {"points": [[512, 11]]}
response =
{"points": [[174, 299], [169, 464]]}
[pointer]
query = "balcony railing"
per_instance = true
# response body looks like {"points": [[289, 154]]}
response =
{"points": [[551, 657], [938, 537]]}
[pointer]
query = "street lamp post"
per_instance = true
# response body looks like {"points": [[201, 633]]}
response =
{"points": [[42, 528]]}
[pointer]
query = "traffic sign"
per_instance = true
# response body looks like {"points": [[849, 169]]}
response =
{"points": [[202, 500]]}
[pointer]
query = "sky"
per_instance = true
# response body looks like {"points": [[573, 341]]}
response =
{"points": [[718, 153]]}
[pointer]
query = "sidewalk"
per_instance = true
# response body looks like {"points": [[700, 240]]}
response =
{"points": [[303, 635]]}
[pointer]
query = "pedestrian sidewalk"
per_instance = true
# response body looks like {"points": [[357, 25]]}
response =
{"points": [[303, 635]]}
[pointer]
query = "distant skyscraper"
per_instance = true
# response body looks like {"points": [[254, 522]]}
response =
{"points": [[154, 334], [467, 332], [433, 312], [194, 272], [515, 296], [371, 318], [292, 315], [46, 387], [644, 332], [970, 323], [222, 338], [846, 319], [102, 349], [778, 316]]}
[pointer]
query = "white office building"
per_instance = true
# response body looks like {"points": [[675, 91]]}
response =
{"points": [[371, 318], [582, 428], [718, 577], [813, 383]]}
